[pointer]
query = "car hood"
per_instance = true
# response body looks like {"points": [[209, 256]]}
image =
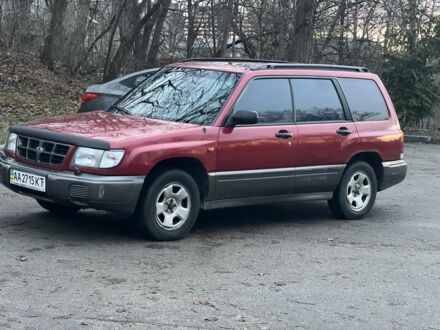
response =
{"points": [[108, 126]]}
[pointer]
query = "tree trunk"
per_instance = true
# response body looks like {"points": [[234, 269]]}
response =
{"points": [[111, 39], [152, 60], [212, 26], [141, 50], [302, 40], [192, 34], [413, 25], [341, 39], [52, 41], [77, 47], [226, 27]]}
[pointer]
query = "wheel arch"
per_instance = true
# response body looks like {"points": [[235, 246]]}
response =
{"points": [[374, 159], [190, 165]]}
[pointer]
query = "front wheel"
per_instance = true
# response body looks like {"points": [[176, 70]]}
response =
{"points": [[169, 208], [356, 193]]}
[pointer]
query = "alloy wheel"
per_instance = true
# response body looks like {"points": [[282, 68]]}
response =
{"points": [[173, 207], [358, 191]]}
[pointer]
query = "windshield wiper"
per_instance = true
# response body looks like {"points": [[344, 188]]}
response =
{"points": [[119, 109]]}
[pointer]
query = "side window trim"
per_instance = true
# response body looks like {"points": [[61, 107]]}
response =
{"points": [[345, 106], [339, 93], [232, 109], [292, 96]]}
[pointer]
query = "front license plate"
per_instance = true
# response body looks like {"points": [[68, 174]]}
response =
{"points": [[27, 180]]}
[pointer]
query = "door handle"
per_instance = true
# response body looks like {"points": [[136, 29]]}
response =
{"points": [[344, 131], [284, 134]]}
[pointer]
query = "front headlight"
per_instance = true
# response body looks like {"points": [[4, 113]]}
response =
{"points": [[88, 157], [11, 142]]}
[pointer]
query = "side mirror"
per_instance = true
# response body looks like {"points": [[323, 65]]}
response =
{"points": [[243, 117]]}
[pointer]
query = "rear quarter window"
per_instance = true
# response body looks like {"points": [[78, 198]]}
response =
{"points": [[365, 99]]}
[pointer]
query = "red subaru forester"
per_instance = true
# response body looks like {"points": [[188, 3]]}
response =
{"points": [[216, 133]]}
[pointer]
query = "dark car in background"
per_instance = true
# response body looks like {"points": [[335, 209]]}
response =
{"points": [[103, 96]]}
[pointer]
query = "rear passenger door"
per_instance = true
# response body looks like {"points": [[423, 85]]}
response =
{"points": [[258, 160], [327, 134]]}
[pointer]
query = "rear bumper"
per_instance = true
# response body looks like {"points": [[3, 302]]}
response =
{"points": [[110, 193], [393, 173]]}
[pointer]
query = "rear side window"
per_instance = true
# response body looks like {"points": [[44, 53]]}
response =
{"points": [[316, 100], [365, 100], [270, 98], [135, 80]]}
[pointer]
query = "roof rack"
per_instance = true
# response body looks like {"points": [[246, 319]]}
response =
{"points": [[273, 64], [314, 67], [233, 60]]}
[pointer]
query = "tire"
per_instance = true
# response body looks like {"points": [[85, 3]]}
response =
{"points": [[57, 208], [169, 207], [356, 192]]}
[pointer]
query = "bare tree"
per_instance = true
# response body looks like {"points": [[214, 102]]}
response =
{"points": [[53, 38], [302, 37], [77, 42], [127, 43], [113, 37], [152, 60]]}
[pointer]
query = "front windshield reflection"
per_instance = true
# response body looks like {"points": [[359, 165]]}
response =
{"points": [[181, 94]]}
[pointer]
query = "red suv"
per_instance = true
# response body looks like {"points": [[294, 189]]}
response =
{"points": [[216, 133]]}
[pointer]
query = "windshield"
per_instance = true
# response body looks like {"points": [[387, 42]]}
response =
{"points": [[180, 94]]}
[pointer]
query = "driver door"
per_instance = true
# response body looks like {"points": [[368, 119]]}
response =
{"points": [[257, 160]]}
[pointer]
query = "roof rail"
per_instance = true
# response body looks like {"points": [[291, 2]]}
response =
{"points": [[273, 64], [314, 67], [232, 59]]}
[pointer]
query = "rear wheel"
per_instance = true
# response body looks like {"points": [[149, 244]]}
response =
{"points": [[356, 193], [169, 208], [57, 208]]}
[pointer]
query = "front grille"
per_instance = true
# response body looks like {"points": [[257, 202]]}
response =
{"points": [[41, 151]]}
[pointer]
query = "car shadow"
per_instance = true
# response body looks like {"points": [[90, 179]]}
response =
{"points": [[85, 225], [304, 213], [98, 225]]}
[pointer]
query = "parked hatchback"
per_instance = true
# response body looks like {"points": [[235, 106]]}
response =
{"points": [[211, 134], [103, 96]]}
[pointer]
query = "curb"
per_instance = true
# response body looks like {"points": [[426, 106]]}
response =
{"points": [[418, 138]]}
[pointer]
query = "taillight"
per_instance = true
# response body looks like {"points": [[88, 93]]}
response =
{"points": [[87, 97]]}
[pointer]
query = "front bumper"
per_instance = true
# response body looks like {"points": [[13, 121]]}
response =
{"points": [[393, 173], [110, 193]]}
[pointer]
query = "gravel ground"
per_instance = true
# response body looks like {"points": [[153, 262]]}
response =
{"points": [[276, 267]]}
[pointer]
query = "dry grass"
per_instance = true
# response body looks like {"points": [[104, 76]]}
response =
{"points": [[28, 90]]}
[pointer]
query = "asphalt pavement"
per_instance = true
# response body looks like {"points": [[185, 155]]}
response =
{"points": [[267, 267]]}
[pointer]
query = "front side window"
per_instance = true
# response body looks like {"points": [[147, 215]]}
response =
{"points": [[316, 100], [364, 99], [270, 98], [185, 95]]}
